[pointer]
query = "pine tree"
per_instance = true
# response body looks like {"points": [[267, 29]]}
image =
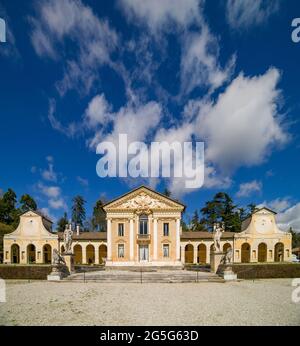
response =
{"points": [[8, 207], [78, 210], [99, 216], [27, 203], [62, 222], [196, 225]]}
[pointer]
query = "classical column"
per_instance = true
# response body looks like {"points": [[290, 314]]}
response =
{"points": [[155, 239], [177, 239], [109, 245], [83, 248], [195, 253], [131, 239], [97, 254], [183, 254]]}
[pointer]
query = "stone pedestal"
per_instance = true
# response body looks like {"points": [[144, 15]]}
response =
{"points": [[69, 260], [59, 271], [55, 276], [215, 260], [229, 275]]}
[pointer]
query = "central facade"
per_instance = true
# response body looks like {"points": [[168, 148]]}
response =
{"points": [[143, 227]]}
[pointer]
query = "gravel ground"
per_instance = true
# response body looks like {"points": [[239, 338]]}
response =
{"points": [[263, 302]]}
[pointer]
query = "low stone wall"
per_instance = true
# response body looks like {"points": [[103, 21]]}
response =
{"points": [[25, 272], [266, 271]]}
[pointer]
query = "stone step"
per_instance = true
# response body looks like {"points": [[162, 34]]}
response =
{"points": [[146, 277]]}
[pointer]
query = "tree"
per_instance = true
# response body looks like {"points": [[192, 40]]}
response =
{"points": [[252, 208], [295, 238], [99, 216], [184, 226], [196, 225], [8, 207], [27, 203], [78, 210], [62, 222], [4, 229], [211, 215], [221, 209]]}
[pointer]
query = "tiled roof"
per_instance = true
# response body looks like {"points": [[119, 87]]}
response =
{"points": [[205, 235], [86, 236]]}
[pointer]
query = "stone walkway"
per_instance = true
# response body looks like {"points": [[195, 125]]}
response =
{"points": [[262, 302]]}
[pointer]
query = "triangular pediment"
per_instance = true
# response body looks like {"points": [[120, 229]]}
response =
{"points": [[144, 199]]}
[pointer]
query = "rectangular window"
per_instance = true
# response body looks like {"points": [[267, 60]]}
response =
{"points": [[121, 229], [166, 250], [166, 229], [121, 250], [144, 224]]}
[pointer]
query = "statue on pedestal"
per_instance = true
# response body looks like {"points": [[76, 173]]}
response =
{"points": [[59, 269], [68, 239], [218, 230]]}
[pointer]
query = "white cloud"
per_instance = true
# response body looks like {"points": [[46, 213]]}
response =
{"points": [[57, 204], [58, 21], [49, 174], [243, 126], [247, 189], [49, 191], [288, 213], [138, 122], [278, 205], [199, 62], [290, 218], [159, 15], [98, 112], [246, 13], [84, 182], [200, 49], [69, 130]]}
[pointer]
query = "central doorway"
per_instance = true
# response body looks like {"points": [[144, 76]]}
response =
{"points": [[144, 253]]}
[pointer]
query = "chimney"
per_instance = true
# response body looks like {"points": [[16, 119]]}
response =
{"points": [[77, 229]]}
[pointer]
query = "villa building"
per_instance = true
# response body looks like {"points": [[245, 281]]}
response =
{"points": [[144, 228]]}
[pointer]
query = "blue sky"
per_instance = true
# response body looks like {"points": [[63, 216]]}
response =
{"points": [[74, 73]]}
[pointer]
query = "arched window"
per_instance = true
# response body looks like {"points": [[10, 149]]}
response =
{"points": [[90, 254], [201, 253], [279, 252], [189, 253], [47, 254], [77, 254], [31, 253], [262, 252], [102, 253], [15, 254], [144, 224], [245, 253]]}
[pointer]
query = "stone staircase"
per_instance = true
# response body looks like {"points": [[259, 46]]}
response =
{"points": [[159, 276]]}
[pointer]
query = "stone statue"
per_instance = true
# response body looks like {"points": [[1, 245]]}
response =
{"points": [[68, 234], [228, 256], [57, 258], [218, 230]]}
